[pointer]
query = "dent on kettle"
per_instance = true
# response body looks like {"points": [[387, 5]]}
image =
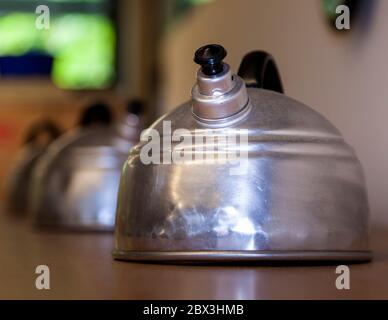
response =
{"points": [[302, 196]]}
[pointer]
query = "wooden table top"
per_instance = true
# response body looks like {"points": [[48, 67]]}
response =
{"points": [[81, 267]]}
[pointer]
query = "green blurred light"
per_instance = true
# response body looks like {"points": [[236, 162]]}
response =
{"points": [[84, 49], [83, 46], [18, 34], [329, 6], [198, 2]]}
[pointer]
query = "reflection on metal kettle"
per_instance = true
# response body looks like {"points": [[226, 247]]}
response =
{"points": [[301, 195], [76, 182], [38, 138]]}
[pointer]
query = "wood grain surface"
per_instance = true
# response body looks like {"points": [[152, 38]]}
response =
{"points": [[81, 267]]}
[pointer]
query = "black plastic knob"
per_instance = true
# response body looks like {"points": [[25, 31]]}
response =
{"points": [[135, 106], [210, 58], [98, 113]]}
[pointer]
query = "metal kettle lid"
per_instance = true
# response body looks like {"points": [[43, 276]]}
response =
{"points": [[220, 95]]}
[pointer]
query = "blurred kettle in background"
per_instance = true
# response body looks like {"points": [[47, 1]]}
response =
{"points": [[36, 142], [75, 184]]}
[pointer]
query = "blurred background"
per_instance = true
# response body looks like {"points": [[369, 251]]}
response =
{"points": [[113, 51]]}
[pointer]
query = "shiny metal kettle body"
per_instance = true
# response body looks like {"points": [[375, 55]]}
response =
{"points": [[294, 190], [76, 182], [37, 140]]}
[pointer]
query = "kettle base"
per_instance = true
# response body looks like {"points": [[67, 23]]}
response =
{"points": [[242, 256]]}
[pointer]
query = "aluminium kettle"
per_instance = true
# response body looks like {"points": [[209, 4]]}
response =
{"points": [[76, 182], [297, 192], [37, 140]]}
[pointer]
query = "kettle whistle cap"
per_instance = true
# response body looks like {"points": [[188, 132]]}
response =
{"points": [[210, 58], [218, 96]]}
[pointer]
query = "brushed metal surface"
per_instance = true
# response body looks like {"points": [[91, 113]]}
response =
{"points": [[304, 190], [217, 97]]}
